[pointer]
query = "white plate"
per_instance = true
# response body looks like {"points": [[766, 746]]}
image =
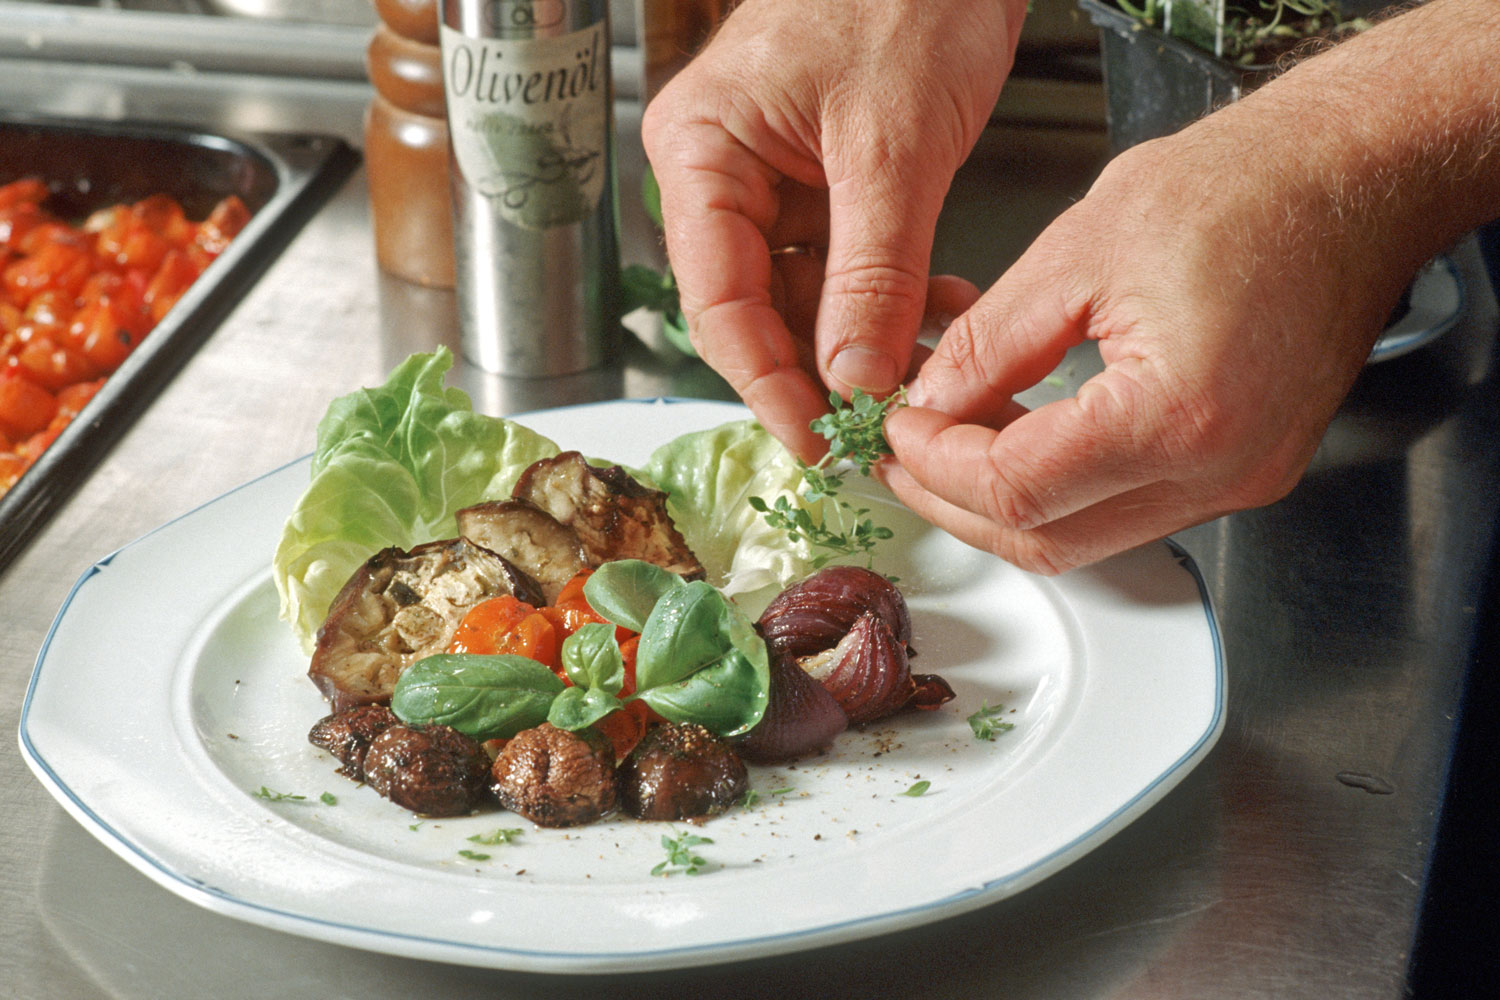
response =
{"points": [[168, 693], [1437, 300]]}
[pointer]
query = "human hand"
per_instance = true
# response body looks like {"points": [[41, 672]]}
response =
{"points": [[836, 125], [1233, 302]]}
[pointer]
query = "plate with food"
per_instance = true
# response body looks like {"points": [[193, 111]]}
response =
{"points": [[620, 686]]}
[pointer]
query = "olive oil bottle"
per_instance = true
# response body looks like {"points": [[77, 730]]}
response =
{"points": [[531, 125]]}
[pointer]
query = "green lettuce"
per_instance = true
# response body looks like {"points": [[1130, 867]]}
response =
{"points": [[709, 477], [392, 466]]}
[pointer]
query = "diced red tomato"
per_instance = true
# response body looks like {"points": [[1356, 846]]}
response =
{"points": [[76, 300], [222, 225], [170, 279], [25, 407], [26, 190], [624, 727], [54, 366]]}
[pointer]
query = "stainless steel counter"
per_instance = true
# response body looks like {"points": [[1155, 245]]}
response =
{"points": [[1289, 865]]}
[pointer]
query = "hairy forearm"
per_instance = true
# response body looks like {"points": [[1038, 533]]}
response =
{"points": [[1396, 131]]}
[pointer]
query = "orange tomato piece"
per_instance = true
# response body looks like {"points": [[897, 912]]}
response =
{"points": [[170, 279], [625, 726], [484, 624], [53, 366], [25, 407], [222, 225], [20, 192], [75, 397], [12, 466]]}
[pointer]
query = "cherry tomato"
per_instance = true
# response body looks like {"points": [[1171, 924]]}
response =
{"points": [[52, 365], [222, 225], [25, 407], [171, 278], [75, 300]]}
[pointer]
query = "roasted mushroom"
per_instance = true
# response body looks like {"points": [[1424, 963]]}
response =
{"points": [[680, 772], [533, 540], [555, 777], [401, 606], [347, 735], [431, 770], [615, 516]]}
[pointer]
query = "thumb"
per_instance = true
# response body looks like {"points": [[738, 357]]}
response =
{"points": [[874, 293]]}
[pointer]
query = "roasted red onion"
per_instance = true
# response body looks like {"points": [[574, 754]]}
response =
{"points": [[866, 673], [801, 718], [812, 616], [849, 629]]}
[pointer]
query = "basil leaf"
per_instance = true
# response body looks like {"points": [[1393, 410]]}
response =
{"points": [[591, 658], [701, 660], [626, 590], [692, 627], [727, 697], [486, 697], [578, 707]]}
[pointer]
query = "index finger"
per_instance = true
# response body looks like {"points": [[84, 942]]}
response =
{"points": [[718, 200]]}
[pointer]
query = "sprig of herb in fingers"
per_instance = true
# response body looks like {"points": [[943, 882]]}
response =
{"points": [[855, 434]]}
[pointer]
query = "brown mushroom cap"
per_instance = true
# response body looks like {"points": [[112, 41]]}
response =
{"points": [[555, 777]]}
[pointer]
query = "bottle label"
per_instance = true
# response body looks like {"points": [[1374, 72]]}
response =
{"points": [[529, 120]]}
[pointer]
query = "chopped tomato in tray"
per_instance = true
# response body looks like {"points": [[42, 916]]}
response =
{"points": [[76, 300]]}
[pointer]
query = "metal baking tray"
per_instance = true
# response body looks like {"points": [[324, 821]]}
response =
{"points": [[282, 178]]}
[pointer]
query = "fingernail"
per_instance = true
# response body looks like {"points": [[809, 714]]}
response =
{"points": [[864, 368]]}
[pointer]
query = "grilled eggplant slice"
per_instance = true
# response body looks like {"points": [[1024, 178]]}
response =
{"points": [[401, 606], [614, 515], [533, 540]]}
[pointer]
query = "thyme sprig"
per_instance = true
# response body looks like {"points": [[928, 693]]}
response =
{"points": [[680, 855], [856, 436]]}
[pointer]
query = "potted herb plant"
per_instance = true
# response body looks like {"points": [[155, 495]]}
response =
{"points": [[1169, 62]]}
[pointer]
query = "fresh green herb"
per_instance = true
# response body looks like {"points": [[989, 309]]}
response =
{"points": [[505, 835], [680, 855], [918, 790], [855, 435], [328, 799], [799, 525], [417, 825], [856, 430], [486, 697], [272, 796], [986, 722], [749, 799], [473, 855]]}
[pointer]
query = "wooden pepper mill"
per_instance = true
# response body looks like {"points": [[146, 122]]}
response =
{"points": [[406, 145]]}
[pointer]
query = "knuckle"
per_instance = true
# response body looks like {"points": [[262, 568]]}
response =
{"points": [[877, 283], [1007, 501]]}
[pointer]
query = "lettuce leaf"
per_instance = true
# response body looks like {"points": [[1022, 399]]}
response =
{"points": [[392, 466], [709, 477]]}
